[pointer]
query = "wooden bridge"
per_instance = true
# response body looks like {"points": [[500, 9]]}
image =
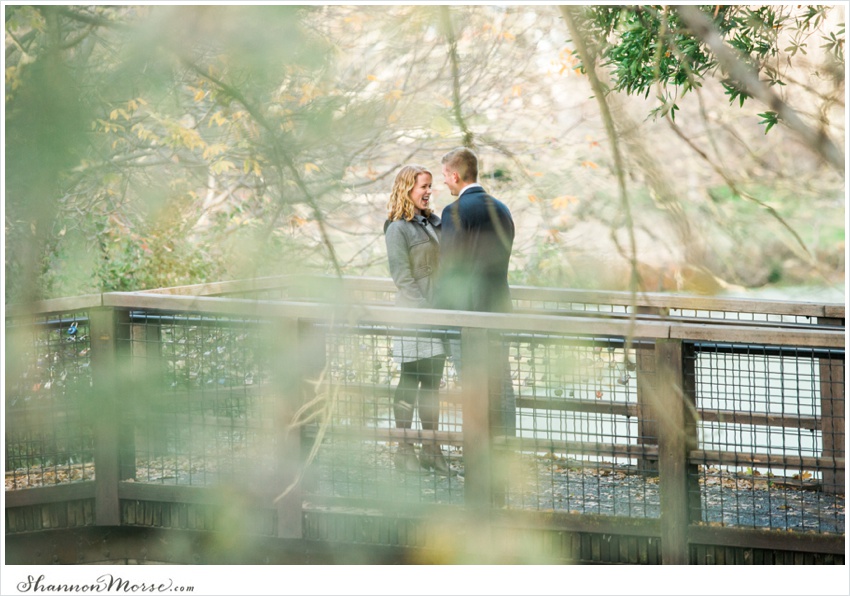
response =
{"points": [[250, 422]]}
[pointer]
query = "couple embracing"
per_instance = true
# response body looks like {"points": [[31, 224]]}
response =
{"points": [[456, 261]]}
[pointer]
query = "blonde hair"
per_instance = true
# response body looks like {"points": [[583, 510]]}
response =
{"points": [[463, 161], [400, 206]]}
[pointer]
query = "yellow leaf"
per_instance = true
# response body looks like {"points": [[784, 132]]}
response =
{"points": [[218, 119], [533, 198], [563, 201], [394, 94], [589, 164], [371, 78], [190, 138], [214, 150], [199, 94], [516, 90], [252, 165], [508, 36], [221, 166], [311, 167]]}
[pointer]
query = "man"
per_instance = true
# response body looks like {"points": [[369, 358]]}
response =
{"points": [[476, 241], [475, 249]]}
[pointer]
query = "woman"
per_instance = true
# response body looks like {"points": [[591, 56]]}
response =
{"points": [[413, 250]]}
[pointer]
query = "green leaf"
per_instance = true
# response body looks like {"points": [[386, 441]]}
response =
{"points": [[769, 119]]}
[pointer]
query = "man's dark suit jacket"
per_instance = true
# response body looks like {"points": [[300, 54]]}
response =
{"points": [[475, 248]]}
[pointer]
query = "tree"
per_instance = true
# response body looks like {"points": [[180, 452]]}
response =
{"points": [[160, 145], [672, 50]]}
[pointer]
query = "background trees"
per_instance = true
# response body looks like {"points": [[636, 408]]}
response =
{"points": [[161, 145]]}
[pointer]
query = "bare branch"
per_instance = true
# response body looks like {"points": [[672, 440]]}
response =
{"points": [[456, 102], [589, 61], [747, 78]]}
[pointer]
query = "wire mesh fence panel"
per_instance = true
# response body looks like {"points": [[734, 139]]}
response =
{"points": [[385, 402], [199, 405], [567, 306], [741, 316], [771, 435], [48, 401], [577, 445]]}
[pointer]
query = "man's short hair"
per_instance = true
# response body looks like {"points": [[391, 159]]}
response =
{"points": [[464, 162]]}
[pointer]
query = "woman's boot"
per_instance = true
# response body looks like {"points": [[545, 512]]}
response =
{"points": [[405, 458], [431, 458]]}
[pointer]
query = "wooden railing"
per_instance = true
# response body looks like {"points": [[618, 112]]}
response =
{"points": [[664, 347]]}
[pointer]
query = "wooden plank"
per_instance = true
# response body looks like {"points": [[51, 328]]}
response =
{"points": [[55, 305], [690, 429], [646, 416], [578, 405], [737, 458], [775, 540], [106, 328], [240, 286], [670, 402], [533, 323], [49, 494], [389, 434], [659, 302], [493, 321], [833, 413], [558, 521], [170, 493], [814, 338], [581, 447], [834, 311], [668, 301], [655, 300], [475, 385], [288, 359], [738, 417]]}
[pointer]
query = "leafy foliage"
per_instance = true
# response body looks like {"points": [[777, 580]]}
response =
{"points": [[649, 48]]}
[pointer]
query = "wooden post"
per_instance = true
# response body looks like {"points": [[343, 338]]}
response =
{"points": [[676, 422], [647, 417], [689, 387], [288, 360], [477, 427], [146, 352], [832, 414], [107, 328]]}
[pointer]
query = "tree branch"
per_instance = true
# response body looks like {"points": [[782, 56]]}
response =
{"points": [[589, 61], [747, 79], [453, 56]]}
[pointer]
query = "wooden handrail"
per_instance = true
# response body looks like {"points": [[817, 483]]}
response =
{"points": [[660, 303], [653, 300], [826, 337]]}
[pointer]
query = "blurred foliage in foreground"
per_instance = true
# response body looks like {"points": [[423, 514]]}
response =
{"points": [[151, 146]]}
